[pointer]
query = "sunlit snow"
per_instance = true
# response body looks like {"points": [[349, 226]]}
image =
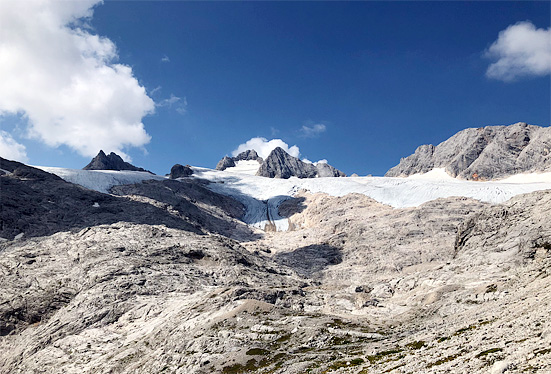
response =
{"points": [[262, 196], [100, 180], [249, 167]]}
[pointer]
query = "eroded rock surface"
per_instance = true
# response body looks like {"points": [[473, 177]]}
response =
{"points": [[280, 164], [167, 279], [112, 161], [484, 153]]}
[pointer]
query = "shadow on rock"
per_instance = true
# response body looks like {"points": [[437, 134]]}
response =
{"points": [[309, 260], [192, 200], [36, 203], [292, 206]]}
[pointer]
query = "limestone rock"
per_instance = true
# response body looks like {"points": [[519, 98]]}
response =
{"points": [[280, 164], [249, 155], [226, 162], [180, 171], [110, 162], [485, 153]]}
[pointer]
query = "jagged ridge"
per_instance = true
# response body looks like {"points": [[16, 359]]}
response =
{"points": [[280, 164], [111, 162], [483, 153]]}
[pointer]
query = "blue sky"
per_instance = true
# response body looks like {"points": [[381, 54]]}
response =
{"points": [[360, 84]]}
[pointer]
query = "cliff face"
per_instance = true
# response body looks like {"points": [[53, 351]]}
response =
{"points": [[280, 164], [228, 162], [484, 153], [110, 162]]}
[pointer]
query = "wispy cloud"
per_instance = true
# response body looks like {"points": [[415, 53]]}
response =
{"points": [[165, 59], [155, 90], [312, 131], [263, 147], [520, 50], [178, 103], [11, 149], [65, 80]]}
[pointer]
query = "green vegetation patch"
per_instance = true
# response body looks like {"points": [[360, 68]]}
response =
{"points": [[444, 360], [384, 354], [488, 351], [257, 352], [465, 329], [416, 345], [344, 364]]}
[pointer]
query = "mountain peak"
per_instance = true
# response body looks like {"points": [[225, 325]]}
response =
{"points": [[229, 162], [280, 164], [483, 153], [110, 162]]}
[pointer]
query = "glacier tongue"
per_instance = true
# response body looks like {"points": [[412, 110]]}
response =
{"points": [[262, 196]]}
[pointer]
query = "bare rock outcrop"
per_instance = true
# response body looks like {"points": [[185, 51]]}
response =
{"points": [[180, 171], [280, 164], [228, 162], [484, 153], [111, 162]]}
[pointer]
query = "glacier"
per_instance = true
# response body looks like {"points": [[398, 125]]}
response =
{"points": [[262, 196]]}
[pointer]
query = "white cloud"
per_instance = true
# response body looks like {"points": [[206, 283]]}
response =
{"points": [[520, 50], [165, 59], [11, 149], [312, 131], [64, 80], [155, 90], [179, 103], [322, 161], [263, 147]]}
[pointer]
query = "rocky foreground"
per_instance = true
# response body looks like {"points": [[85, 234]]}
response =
{"points": [[163, 277]]}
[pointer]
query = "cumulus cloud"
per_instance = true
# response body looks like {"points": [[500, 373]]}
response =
{"points": [[11, 149], [323, 161], [520, 50], [312, 131], [263, 147], [64, 80]]}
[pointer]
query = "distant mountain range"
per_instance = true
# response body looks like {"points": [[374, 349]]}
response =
{"points": [[484, 153], [280, 164]]}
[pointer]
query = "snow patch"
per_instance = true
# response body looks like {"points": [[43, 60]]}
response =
{"points": [[434, 174], [249, 167]]}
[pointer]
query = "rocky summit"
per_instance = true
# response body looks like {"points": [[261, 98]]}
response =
{"points": [[280, 164], [484, 153], [163, 275], [228, 162], [110, 162]]}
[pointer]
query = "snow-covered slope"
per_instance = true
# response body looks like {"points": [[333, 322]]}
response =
{"points": [[262, 196], [100, 180], [249, 167]]}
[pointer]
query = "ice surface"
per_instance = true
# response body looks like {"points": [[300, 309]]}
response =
{"points": [[262, 196], [100, 180]]}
